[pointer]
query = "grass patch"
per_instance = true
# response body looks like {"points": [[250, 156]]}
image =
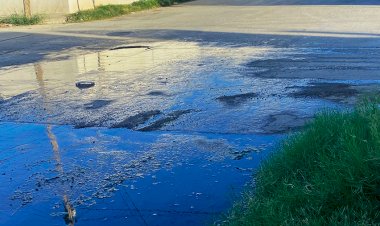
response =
{"points": [[109, 11], [329, 174], [18, 20]]}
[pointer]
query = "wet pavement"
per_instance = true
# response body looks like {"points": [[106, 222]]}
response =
{"points": [[176, 121]]}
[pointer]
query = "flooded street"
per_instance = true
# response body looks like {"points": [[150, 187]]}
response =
{"points": [[178, 120], [154, 142], [116, 176], [173, 86]]}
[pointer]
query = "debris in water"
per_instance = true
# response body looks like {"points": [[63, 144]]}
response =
{"points": [[131, 47], [84, 84]]}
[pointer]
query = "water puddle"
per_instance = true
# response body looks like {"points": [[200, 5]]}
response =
{"points": [[117, 176], [194, 87], [167, 135]]}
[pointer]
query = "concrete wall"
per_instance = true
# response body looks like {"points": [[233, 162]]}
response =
{"points": [[47, 6], [75, 5], [89, 4], [8, 7]]}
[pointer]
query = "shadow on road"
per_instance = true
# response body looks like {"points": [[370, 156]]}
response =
{"points": [[280, 39], [23, 53]]}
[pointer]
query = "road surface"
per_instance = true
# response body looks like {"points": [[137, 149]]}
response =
{"points": [[187, 101]]}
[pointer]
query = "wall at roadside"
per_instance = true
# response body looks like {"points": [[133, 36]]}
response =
{"points": [[89, 4], [8, 7]]}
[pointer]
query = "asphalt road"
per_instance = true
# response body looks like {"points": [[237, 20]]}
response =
{"points": [[298, 24], [176, 124]]}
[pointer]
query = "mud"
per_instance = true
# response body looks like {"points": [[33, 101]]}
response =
{"points": [[368, 89], [338, 91], [236, 100], [319, 63], [83, 124], [285, 122], [133, 122], [239, 155], [165, 120], [97, 104], [157, 93]]}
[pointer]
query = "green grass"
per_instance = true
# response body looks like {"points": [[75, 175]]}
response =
{"points": [[18, 20], [329, 174], [109, 11]]}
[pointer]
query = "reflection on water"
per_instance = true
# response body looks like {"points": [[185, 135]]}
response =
{"points": [[133, 63], [71, 212], [168, 77]]}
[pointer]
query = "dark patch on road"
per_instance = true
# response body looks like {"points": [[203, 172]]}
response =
{"points": [[369, 89], [20, 97], [326, 91], [131, 47], [82, 125], [165, 120], [239, 155], [8, 104], [134, 121], [157, 93], [284, 122], [269, 63], [331, 63], [96, 104], [121, 33], [236, 100]]}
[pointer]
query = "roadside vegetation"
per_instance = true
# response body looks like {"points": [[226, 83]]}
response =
{"points": [[18, 20], [329, 174], [109, 11]]}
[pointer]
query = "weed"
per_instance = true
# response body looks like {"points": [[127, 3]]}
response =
{"points": [[18, 20], [329, 174], [109, 11]]}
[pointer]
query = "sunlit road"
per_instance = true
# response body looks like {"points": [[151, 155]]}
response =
{"points": [[187, 102]]}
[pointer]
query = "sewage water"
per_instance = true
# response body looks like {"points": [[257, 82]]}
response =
{"points": [[119, 177], [207, 124], [169, 77]]}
